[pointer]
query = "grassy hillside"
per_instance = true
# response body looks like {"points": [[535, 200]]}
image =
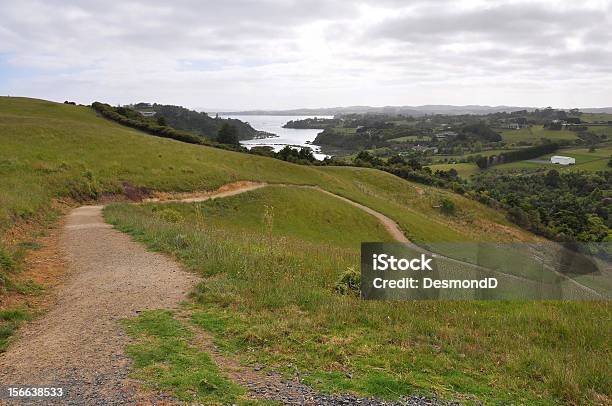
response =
{"points": [[316, 219], [269, 298], [276, 255], [51, 150], [535, 133]]}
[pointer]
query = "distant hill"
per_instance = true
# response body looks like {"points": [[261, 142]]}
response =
{"points": [[405, 110], [607, 110], [195, 122]]}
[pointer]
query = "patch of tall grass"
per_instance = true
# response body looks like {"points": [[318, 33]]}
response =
{"points": [[274, 301]]}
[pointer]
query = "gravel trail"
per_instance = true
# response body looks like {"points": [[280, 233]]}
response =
{"points": [[79, 343]]}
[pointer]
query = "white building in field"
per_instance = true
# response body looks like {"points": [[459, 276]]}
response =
{"points": [[147, 113], [562, 160]]}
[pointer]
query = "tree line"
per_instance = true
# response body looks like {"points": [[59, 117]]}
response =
{"points": [[484, 162], [571, 206]]}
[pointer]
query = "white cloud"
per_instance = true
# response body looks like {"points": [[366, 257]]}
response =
{"points": [[292, 53]]}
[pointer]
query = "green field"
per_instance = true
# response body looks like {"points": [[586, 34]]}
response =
{"points": [[269, 298], [344, 130], [411, 138], [601, 130], [591, 117], [57, 152], [534, 134], [585, 161]]}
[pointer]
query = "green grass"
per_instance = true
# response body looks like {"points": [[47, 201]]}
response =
{"points": [[411, 138], [317, 219], [166, 361], [274, 294], [272, 301], [591, 117], [344, 130], [601, 130], [56, 151], [10, 319], [585, 161], [533, 134]]}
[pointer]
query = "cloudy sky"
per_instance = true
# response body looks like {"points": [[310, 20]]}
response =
{"points": [[243, 54]]}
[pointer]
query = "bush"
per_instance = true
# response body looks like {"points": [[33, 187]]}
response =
{"points": [[447, 206], [170, 215], [349, 283], [84, 188]]}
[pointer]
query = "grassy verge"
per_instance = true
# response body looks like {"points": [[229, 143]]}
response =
{"points": [[9, 321], [166, 361], [272, 300]]}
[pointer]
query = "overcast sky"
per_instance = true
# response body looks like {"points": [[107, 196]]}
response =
{"points": [[248, 54]]}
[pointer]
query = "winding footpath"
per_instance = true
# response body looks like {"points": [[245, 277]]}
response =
{"points": [[79, 343]]}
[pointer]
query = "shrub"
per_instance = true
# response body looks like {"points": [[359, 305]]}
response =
{"points": [[170, 215], [349, 283], [447, 206], [83, 188]]}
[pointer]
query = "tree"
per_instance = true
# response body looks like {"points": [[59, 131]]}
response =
{"points": [[228, 134], [365, 156], [305, 153], [447, 206], [161, 121], [552, 178], [396, 160], [482, 162]]}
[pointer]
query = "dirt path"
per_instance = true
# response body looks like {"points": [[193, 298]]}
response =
{"points": [[240, 187], [79, 344], [391, 226]]}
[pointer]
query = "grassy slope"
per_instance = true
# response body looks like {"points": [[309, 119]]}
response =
{"points": [[534, 133], [316, 219], [271, 300], [50, 150]]}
